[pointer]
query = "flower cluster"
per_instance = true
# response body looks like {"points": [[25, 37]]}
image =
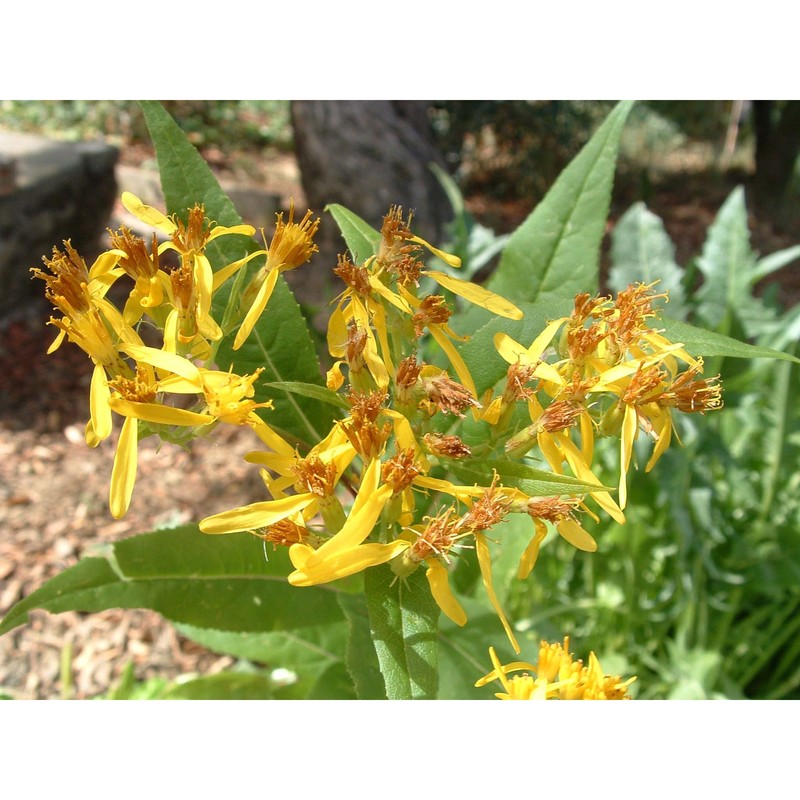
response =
{"points": [[169, 304], [383, 486], [558, 677], [394, 480]]}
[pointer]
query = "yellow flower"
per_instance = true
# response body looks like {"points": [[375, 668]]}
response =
{"points": [[92, 323], [344, 553], [143, 266], [561, 514], [646, 399], [314, 477], [291, 246], [190, 326], [134, 399], [558, 677], [350, 335]]}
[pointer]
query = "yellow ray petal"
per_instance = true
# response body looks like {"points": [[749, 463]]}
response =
{"points": [[100, 411], [104, 263], [476, 294], [271, 439], [459, 365], [542, 341], [528, 560], [587, 437], [630, 427], [448, 258], [166, 361], [343, 564], [547, 372], [56, 342], [337, 333], [485, 563], [405, 438], [373, 360], [379, 287], [463, 493], [222, 230], [171, 331], [442, 594], [255, 310], [152, 216], [584, 473], [221, 275], [204, 282], [357, 528], [664, 345], [334, 377], [509, 349], [379, 321], [255, 515], [162, 415], [123, 473], [576, 535], [662, 425]]}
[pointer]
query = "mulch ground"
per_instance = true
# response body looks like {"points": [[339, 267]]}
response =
{"points": [[54, 509]]}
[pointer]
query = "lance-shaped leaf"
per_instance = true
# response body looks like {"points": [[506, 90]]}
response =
{"points": [[361, 659], [305, 654], [280, 341], [361, 238], [404, 623], [534, 482], [211, 582], [642, 252], [701, 342], [553, 255], [726, 263], [321, 393], [773, 262]]}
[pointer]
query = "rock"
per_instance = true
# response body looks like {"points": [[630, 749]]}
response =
{"points": [[50, 191]]}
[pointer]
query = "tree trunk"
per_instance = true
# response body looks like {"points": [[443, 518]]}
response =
{"points": [[777, 147], [368, 155]]}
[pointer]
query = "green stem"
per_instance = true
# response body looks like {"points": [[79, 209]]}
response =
{"points": [[774, 455]]}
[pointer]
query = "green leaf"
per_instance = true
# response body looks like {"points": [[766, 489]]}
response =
{"points": [[700, 342], [361, 238], [464, 652], [220, 582], [307, 652], [774, 262], [186, 178], [727, 261], [532, 481], [553, 255], [223, 686], [333, 684], [280, 342], [312, 390], [507, 542], [361, 659], [404, 623], [641, 251]]}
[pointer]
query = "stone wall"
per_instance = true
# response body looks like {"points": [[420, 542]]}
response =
{"points": [[49, 191]]}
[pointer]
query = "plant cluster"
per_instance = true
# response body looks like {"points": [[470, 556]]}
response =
{"points": [[445, 440]]}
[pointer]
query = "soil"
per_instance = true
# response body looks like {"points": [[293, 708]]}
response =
{"points": [[53, 489]]}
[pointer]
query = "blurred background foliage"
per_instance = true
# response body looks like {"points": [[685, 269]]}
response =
{"points": [[699, 593], [251, 124], [503, 150]]}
